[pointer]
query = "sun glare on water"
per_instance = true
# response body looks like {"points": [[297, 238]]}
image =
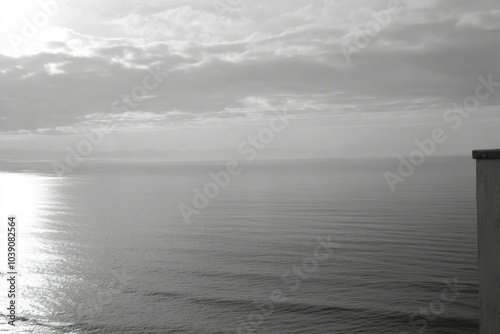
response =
{"points": [[19, 194], [24, 196]]}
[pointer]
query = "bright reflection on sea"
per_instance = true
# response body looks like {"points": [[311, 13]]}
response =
{"points": [[29, 197]]}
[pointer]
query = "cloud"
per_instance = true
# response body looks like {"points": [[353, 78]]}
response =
{"points": [[481, 19], [237, 65]]}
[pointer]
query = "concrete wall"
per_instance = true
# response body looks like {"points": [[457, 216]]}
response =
{"points": [[488, 214]]}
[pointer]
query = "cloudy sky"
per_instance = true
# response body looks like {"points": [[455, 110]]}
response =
{"points": [[205, 74]]}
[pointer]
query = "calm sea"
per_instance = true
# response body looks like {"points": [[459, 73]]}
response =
{"points": [[105, 249]]}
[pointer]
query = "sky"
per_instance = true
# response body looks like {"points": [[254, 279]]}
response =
{"points": [[352, 78]]}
